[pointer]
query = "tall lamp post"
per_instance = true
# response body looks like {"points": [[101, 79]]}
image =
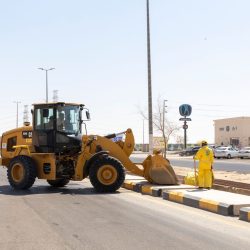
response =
{"points": [[150, 120], [142, 135], [46, 70], [17, 102]]}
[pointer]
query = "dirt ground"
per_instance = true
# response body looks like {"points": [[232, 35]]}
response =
{"points": [[223, 175]]}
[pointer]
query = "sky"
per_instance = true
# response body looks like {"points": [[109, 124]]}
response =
{"points": [[200, 56]]}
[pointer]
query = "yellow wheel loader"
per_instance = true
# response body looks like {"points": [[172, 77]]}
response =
{"points": [[54, 149]]}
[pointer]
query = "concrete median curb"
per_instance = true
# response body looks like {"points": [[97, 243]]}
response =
{"points": [[128, 185], [205, 204], [245, 214], [151, 190], [134, 185], [216, 201], [145, 187], [180, 197]]}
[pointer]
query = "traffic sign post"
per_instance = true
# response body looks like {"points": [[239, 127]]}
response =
{"points": [[185, 110], [185, 119], [185, 126]]}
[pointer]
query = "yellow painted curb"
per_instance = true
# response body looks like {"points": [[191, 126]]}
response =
{"points": [[209, 205], [128, 185], [146, 189], [176, 196]]}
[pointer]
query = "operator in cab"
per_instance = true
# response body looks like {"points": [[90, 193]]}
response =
{"points": [[61, 121]]}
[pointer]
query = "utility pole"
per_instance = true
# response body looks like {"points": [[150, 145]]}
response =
{"points": [[150, 119], [163, 126], [142, 135], [17, 102], [47, 90]]}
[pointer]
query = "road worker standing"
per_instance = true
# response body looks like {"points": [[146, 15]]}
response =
{"points": [[206, 158]]}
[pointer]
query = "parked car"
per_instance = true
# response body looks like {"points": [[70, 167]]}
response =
{"points": [[244, 152], [189, 151], [226, 152]]}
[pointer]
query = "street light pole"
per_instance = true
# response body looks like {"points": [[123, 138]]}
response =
{"points": [[142, 135], [150, 120], [17, 102], [47, 91]]}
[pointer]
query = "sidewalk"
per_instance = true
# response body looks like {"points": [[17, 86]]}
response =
{"points": [[220, 202]]}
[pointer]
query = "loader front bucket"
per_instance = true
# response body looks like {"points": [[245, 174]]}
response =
{"points": [[158, 170]]}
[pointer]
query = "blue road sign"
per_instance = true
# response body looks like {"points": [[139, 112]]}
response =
{"points": [[185, 110]]}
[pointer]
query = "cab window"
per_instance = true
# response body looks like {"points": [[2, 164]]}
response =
{"points": [[44, 118]]}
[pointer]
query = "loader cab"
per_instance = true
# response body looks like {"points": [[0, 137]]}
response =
{"points": [[57, 128]]}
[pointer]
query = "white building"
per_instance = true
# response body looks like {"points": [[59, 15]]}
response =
{"points": [[232, 131]]}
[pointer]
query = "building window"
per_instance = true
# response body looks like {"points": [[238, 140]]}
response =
{"points": [[10, 143], [227, 128], [234, 142], [221, 129]]}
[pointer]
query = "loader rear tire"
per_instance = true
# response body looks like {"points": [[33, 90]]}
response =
{"points": [[106, 174], [58, 182], [21, 172]]}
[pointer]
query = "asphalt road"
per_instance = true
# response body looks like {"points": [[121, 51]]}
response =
{"points": [[238, 165], [78, 218]]}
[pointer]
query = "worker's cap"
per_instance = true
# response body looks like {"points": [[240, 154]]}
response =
{"points": [[203, 143]]}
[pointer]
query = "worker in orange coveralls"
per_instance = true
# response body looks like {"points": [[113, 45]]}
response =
{"points": [[205, 156]]}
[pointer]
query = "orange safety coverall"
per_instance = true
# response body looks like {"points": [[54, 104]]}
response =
{"points": [[206, 158]]}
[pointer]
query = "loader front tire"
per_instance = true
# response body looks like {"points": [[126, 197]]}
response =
{"points": [[106, 174], [21, 172], [58, 182]]}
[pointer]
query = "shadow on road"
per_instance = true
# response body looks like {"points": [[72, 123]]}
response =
{"points": [[68, 190]]}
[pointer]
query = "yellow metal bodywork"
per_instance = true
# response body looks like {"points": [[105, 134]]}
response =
{"points": [[155, 168], [83, 156], [15, 133], [24, 147], [119, 151]]}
